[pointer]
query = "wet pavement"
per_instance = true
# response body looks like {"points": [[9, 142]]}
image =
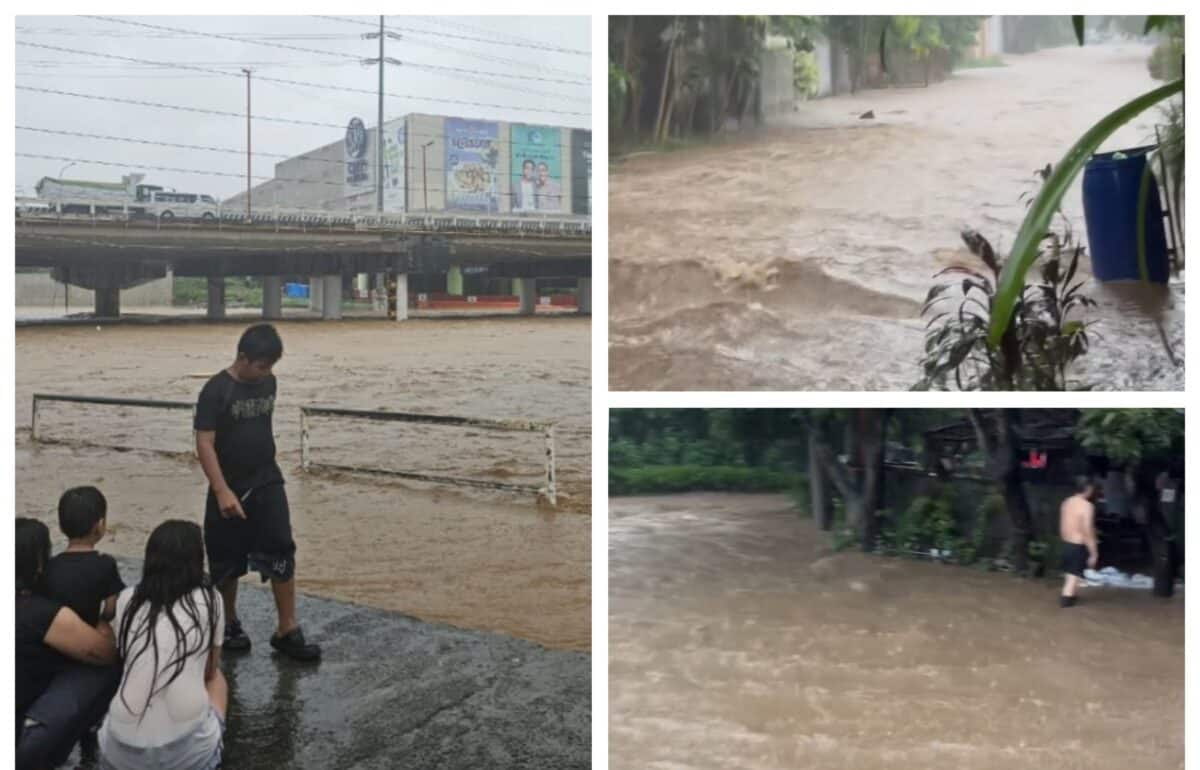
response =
{"points": [[798, 258], [738, 639], [396, 692]]}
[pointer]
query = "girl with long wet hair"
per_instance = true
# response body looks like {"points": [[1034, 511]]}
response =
{"points": [[169, 711], [65, 667]]}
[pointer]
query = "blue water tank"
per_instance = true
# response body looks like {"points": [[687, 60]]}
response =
{"points": [[1110, 205]]}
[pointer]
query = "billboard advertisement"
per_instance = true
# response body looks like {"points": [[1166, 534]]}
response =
{"points": [[536, 168], [358, 166], [393, 168], [581, 171], [472, 154]]}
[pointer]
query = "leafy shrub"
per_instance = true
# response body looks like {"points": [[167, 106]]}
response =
{"points": [[1166, 61], [806, 74], [667, 479]]}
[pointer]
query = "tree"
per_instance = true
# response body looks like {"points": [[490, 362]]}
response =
{"points": [[997, 439], [859, 481]]}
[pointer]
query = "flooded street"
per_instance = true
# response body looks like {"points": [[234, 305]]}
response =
{"points": [[798, 259], [737, 640], [479, 559]]}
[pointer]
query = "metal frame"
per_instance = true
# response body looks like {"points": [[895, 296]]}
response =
{"points": [[550, 490], [109, 401]]}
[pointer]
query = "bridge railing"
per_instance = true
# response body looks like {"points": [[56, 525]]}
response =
{"points": [[277, 218]]}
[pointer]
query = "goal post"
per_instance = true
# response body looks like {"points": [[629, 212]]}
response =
{"points": [[546, 429], [145, 403]]}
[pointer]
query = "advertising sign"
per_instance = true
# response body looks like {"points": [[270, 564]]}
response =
{"points": [[536, 169], [581, 171], [358, 167], [472, 153], [393, 169]]}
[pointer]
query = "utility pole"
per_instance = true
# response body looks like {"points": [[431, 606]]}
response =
{"points": [[381, 34], [248, 173]]}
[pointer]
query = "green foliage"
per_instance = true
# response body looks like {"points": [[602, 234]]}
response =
{"points": [[619, 83], [1040, 344], [801, 495], [806, 74], [670, 479], [995, 60], [1128, 436], [1166, 61]]}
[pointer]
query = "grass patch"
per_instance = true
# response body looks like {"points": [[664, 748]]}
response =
{"points": [[668, 479], [995, 60]]}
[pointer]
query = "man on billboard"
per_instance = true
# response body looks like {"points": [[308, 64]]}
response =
{"points": [[549, 191], [525, 191]]}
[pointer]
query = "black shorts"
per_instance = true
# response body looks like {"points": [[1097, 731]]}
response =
{"points": [[1074, 558], [261, 542], [76, 700]]}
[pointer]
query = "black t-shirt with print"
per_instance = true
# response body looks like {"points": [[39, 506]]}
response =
{"points": [[37, 662], [82, 580], [240, 413]]}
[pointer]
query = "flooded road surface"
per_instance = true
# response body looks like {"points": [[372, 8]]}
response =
{"points": [[479, 559], [799, 258], [736, 639]]}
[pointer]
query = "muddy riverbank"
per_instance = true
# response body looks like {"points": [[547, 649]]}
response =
{"points": [[495, 561], [798, 258], [736, 639]]}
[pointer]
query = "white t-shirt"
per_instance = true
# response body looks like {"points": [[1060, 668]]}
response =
{"points": [[184, 704]]}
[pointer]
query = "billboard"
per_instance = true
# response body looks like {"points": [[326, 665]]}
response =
{"points": [[358, 166], [536, 168], [581, 171], [472, 154], [393, 168]]}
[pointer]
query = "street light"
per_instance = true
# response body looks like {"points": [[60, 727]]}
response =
{"points": [[425, 173], [63, 170]]}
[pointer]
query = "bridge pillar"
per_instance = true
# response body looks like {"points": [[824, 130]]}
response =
{"points": [[331, 298], [107, 303], [402, 296], [216, 298], [454, 281], [527, 292], [315, 284], [272, 307], [583, 292]]}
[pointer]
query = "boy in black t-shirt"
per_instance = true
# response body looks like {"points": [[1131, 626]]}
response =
{"points": [[81, 577], [247, 524]]}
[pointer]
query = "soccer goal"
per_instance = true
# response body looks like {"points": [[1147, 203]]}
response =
{"points": [[548, 488]]}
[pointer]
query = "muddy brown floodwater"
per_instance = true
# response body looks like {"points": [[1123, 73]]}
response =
{"points": [[737, 640], [799, 258], [486, 560]]}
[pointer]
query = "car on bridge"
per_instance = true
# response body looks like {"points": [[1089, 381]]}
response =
{"points": [[167, 205]]}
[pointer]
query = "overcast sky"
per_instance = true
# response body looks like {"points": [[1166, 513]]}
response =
{"points": [[519, 48]]}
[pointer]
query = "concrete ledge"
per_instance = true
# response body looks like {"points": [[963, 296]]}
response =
{"points": [[396, 692]]}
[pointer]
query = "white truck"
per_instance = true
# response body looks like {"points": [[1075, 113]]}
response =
{"points": [[77, 196]]}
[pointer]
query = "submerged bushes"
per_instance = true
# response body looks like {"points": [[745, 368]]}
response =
{"points": [[666, 479]]}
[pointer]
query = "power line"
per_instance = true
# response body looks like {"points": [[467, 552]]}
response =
{"points": [[493, 58], [318, 52], [236, 151], [209, 172], [179, 107], [534, 46], [302, 83]]}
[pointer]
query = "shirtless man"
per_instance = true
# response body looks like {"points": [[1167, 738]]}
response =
{"points": [[1077, 528]]}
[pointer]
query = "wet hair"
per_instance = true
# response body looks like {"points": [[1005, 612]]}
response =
{"points": [[173, 570], [32, 550], [261, 343], [79, 509], [1083, 484]]}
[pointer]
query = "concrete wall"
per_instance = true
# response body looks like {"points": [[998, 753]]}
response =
{"points": [[823, 52], [40, 290], [777, 88]]}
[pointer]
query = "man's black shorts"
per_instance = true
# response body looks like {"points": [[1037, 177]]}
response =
{"points": [[261, 542], [1074, 558]]}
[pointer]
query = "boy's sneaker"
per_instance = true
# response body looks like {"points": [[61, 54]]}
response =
{"points": [[235, 638], [293, 645]]}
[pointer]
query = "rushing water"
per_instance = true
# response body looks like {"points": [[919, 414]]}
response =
{"points": [[478, 559], [798, 258], [736, 639]]}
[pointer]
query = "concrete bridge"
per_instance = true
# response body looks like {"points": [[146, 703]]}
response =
{"points": [[114, 248]]}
